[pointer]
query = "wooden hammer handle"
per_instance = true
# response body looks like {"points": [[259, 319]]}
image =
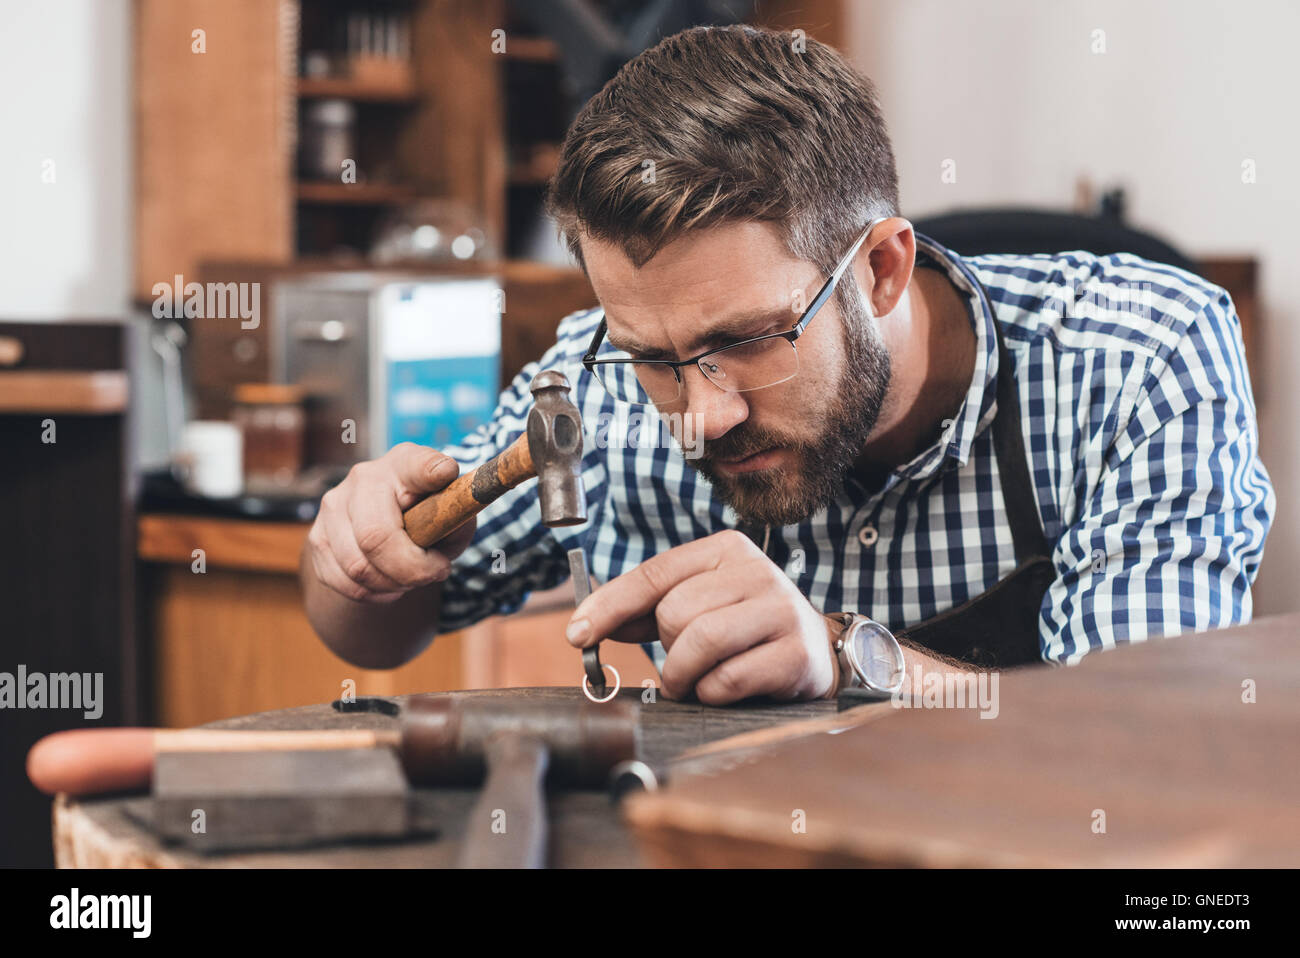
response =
{"points": [[433, 519], [93, 761]]}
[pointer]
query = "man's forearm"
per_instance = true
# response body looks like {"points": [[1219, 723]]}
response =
{"points": [[370, 635], [919, 663], [931, 680]]}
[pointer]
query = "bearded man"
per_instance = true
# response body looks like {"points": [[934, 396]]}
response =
{"points": [[889, 459]]}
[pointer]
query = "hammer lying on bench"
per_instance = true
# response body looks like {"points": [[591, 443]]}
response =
{"points": [[280, 788]]}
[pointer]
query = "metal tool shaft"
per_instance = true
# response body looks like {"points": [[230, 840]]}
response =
{"points": [[590, 655]]}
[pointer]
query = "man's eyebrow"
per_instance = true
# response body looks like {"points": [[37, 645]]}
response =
{"points": [[733, 329]]}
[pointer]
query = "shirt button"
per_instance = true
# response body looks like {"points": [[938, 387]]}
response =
{"points": [[867, 535]]}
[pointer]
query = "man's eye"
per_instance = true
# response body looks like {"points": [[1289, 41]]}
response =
{"points": [[743, 339]]}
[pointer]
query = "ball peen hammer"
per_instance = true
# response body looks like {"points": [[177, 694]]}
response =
{"points": [[550, 448]]}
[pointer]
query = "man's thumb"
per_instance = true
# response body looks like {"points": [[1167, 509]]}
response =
{"points": [[423, 470], [441, 470]]}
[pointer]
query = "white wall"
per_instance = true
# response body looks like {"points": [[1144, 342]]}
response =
{"points": [[65, 247], [65, 96], [1186, 90]]}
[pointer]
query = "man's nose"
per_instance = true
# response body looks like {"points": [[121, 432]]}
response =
{"points": [[715, 410]]}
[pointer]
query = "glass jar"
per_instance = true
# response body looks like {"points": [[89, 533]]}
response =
{"points": [[326, 141], [272, 420]]}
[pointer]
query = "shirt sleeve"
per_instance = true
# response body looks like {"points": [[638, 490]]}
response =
{"points": [[1171, 537], [512, 553]]}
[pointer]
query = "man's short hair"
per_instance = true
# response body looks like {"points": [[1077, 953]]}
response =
{"points": [[727, 124]]}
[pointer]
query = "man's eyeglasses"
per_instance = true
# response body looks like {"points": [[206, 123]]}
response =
{"points": [[755, 363]]}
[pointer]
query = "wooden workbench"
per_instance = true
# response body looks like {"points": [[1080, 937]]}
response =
{"points": [[1170, 753], [586, 830]]}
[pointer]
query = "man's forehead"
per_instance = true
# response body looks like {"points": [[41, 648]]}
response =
{"points": [[690, 258], [723, 280]]}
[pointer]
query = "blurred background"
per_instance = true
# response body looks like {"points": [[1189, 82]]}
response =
{"points": [[246, 243]]}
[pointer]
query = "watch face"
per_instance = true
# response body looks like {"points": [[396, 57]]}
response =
{"points": [[876, 654]]}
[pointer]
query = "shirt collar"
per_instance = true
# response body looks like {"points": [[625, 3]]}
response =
{"points": [[979, 406]]}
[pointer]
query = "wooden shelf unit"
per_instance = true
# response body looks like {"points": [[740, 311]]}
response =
{"points": [[374, 194], [532, 49], [216, 132], [343, 88]]}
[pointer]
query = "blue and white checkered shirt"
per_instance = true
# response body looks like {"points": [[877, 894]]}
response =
{"points": [[1139, 426]]}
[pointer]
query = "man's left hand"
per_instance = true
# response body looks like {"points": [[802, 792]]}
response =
{"points": [[732, 624]]}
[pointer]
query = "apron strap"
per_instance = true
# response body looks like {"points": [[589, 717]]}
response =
{"points": [[1013, 465], [999, 627]]}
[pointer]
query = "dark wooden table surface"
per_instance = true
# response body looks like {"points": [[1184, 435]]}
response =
{"points": [[586, 827], [1173, 753]]}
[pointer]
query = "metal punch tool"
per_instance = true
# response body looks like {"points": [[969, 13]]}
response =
{"points": [[590, 655]]}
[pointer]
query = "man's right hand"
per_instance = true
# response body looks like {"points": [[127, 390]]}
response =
{"points": [[358, 545]]}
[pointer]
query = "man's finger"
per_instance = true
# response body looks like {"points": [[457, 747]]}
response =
{"points": [[770, 668], [331, 573], [636, 593], [638, 631], [717, 636], [353, 562], [727, 585], [377, 523]]}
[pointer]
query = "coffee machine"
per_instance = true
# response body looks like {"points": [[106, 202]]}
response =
{"points": [[383, 359]]}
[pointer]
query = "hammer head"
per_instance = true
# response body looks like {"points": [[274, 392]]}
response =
{"points": [[444, 737], [555, 444]]}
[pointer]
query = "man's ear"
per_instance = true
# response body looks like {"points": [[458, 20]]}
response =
{"points": [[883, 267]]}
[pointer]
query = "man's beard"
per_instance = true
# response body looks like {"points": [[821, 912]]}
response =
{"points": [[785, 496]]}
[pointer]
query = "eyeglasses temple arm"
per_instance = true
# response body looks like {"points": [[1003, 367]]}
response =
{"points": [[829, 286], [595, 342]]}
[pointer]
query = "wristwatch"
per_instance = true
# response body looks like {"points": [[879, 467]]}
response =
{"points": [[870, 657]]}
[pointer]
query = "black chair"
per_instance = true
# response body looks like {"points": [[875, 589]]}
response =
{"points": [[975, 232]]}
